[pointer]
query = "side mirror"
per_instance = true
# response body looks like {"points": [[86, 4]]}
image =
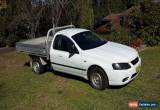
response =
{"points": [[72, 50]]}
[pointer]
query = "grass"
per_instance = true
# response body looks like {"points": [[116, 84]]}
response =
{"points": [[21, 89]]}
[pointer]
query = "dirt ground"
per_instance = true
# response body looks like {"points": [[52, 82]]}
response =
{"points": [[6, 50]]}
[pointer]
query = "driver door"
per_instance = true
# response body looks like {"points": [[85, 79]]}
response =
{"points": [[61, 58]]}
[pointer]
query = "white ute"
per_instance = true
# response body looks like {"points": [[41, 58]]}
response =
{"points": [[82, 53]]}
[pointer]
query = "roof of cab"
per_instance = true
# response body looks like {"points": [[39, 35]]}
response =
{"points": [[71, 31]]}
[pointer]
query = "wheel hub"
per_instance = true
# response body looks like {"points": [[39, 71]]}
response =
{"points": [[36, 67], [96, 79]]}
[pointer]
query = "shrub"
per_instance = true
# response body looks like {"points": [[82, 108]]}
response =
{"points": [[121, 36], [11, 40], [149, 39], [86, 15], [152, 40], [144, 22], [2, 41]]}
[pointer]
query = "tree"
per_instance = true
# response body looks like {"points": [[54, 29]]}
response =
{"points": [[26, 13], [57, 10], [86, 14], [145, 22]]}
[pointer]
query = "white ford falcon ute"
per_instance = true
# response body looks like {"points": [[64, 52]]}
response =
{"points": [[82, 53]]}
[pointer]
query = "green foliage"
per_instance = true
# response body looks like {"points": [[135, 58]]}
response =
{"points": [[151, 40], [2, 20], [2, 27], [145, 22], [22, 20], [86, 14], [2, 40], [117, 6], [25, 21], [109, 6], [121, 36], [11, 40]]}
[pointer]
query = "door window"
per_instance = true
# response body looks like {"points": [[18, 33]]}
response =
{"points": [[63, 43]]}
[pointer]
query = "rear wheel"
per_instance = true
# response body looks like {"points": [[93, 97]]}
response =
{"points": [[98, 78], [37, 66]]}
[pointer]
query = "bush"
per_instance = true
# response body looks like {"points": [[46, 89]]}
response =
{"points": [[86, 15], [152, 40], [144, 22], [149, 39], [121, 36], [2, 41], [11, 40]]}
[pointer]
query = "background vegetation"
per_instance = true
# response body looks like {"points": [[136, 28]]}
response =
{"points": [[24, 19], [145, 22]]}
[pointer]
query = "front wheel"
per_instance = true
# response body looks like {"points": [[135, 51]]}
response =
{"points": [[37, 66], [98, 78]]}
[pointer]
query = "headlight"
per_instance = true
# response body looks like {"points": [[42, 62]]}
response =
{"points": [[121, 66]]}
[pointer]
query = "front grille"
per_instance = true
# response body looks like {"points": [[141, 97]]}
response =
{"points": [[135, 61]]}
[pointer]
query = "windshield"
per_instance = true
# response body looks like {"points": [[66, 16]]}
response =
{"points": [[88, 40]]}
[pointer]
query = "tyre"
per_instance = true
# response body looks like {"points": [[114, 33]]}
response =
{"points": [[37, 66], [98, 78]]}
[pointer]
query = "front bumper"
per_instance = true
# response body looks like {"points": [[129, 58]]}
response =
{"points": [[122, 77]]}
